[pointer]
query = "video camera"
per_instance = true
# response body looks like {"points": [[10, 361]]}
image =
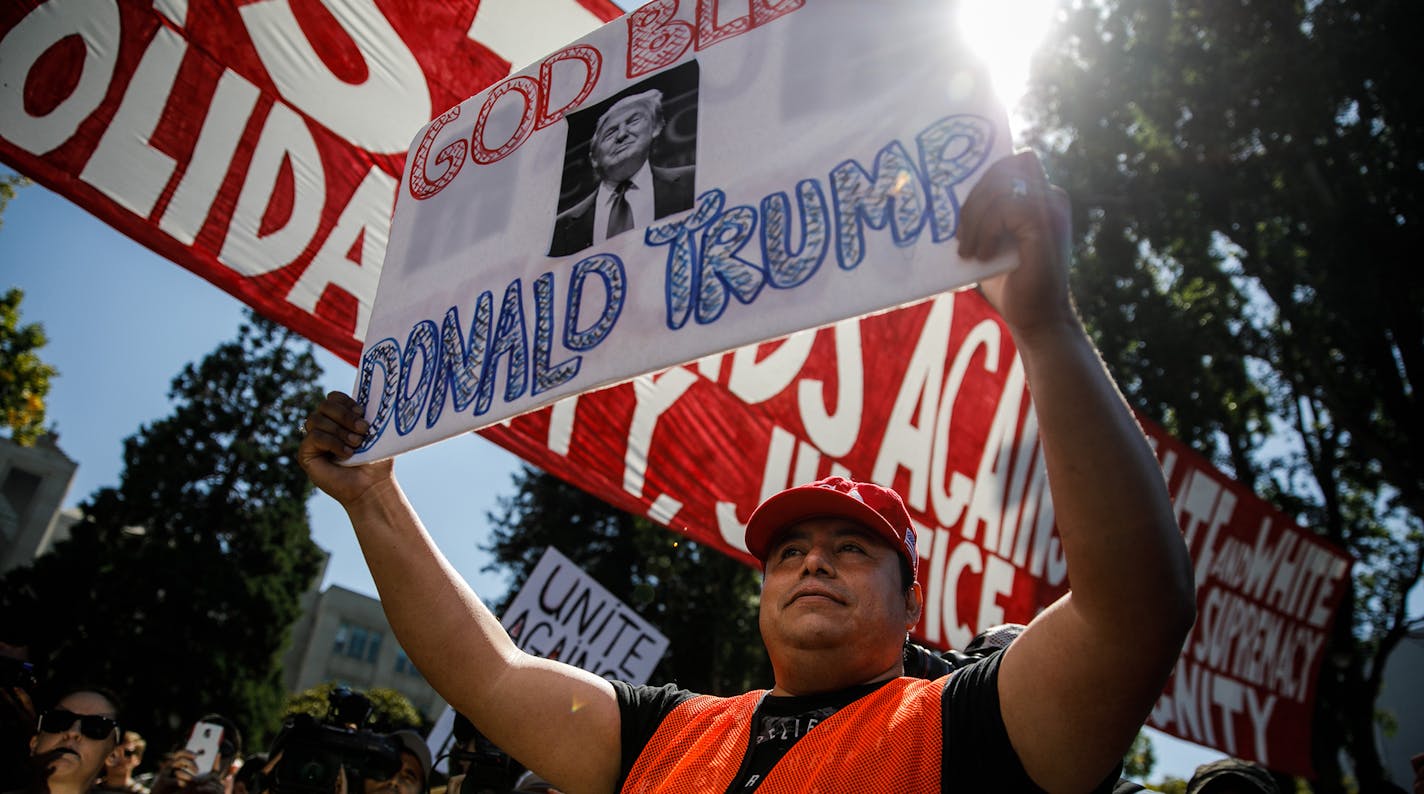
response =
{"points": [[487, 769], [314, 752]]}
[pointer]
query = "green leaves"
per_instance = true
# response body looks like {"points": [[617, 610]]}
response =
{"points": [[24, 377], [1247, 181]]}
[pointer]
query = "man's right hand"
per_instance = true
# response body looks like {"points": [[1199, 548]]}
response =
{"points": [[333, 432]]}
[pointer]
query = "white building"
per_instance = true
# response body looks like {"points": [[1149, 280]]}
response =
{"points": [[33, 483], [343, 637]]}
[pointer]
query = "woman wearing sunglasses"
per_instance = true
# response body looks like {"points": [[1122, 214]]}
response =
{"points": [[71, 742]]}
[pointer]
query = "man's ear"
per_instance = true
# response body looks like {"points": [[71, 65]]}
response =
{"points": [[914, 605]]}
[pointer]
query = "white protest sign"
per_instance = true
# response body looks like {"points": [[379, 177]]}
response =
{"points": [[562, 613], [776, 166]]}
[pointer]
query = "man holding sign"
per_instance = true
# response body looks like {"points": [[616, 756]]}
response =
{"points": [[1055, 710]]}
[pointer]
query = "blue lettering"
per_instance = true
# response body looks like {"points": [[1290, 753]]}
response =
{"points": [[384, 355], [460, 364], [683, 254], [893, 193], [441, 363], [609, 268], [423, 342], [722, 269], [900, 192], [943, 169], [511, 338], [785, 268], [545, 376]]}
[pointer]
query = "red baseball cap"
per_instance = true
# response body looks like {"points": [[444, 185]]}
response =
{"points": [[875, 507]]}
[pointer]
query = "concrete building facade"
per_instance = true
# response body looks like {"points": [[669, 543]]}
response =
{"points": [[343, 637], [34, 481]]}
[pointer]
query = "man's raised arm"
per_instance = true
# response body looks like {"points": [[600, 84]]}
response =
{"points": [[559, 720], [1081, 680]]}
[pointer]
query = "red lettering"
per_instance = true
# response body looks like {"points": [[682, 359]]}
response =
{"points": [[593, 67], [452, 157], [655, 39], [526, 87], [708, 33], [764, 11]]}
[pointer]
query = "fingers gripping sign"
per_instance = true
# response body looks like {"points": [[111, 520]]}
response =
{"points": [[331, 434], [1014, 205]]}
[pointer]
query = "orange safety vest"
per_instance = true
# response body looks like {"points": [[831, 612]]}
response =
{"points": [[887, 741]]}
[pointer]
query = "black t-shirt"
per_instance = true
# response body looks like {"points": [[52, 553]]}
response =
{"points": [[976, 754]]}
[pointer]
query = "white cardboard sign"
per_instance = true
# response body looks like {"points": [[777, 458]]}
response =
{"points": [[797, 163], [562, 613]]}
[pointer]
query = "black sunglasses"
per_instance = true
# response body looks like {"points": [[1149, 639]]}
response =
{"points": [[94, 726]]}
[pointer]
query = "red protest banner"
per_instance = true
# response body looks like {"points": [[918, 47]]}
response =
{"points": [[1267, 592], [257, 144]]}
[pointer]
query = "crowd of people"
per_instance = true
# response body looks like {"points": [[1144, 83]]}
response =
{"points": [[80, 746]]}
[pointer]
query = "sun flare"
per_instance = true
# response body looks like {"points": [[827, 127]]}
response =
{"points": [[1004, 34]]}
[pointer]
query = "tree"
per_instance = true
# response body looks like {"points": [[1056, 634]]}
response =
{"points": [[704, 602], [1247, 180], [178, 588], [24, 376], [390, 710], [1137, 763], [8, 185]]}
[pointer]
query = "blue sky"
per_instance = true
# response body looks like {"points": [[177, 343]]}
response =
{"points": [[123, 321]]}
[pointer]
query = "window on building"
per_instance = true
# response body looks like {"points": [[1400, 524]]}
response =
{"points": [[405, 666], [357, 642]]}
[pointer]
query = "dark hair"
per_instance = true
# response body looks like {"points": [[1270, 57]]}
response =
{"points": [[907, 576], [103, 692]]}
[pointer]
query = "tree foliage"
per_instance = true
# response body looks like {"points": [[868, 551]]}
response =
{"points": [[1247, 185], [24, 376], [178, 588], [390, 710], [8, 185], [703, 601]]}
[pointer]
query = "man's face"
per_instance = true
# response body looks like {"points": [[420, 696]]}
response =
{"points": [[409, 780], [623, 140], [79, 758], [832, 584]]}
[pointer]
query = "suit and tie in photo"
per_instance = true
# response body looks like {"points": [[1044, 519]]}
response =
{"points": [[631, 192]]}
